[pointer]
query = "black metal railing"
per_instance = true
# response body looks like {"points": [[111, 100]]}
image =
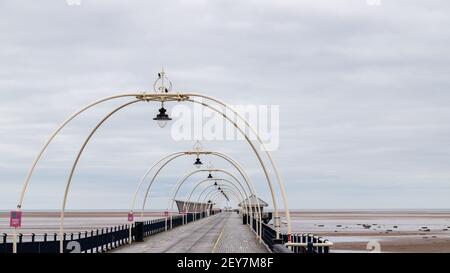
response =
{"points": [[94, 241], [98, 240], [302, 243], [308, 243]]}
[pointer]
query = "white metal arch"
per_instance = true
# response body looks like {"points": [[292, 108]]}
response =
{"points": [[185, 177], [216, 179], [167, 97]]}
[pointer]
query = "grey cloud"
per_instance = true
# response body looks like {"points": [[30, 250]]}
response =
{"points": [[362, 90]]}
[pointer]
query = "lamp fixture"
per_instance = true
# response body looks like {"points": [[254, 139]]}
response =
{"points": [[162, 118]]}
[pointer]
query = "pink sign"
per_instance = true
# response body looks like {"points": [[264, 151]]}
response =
{"points": [[15, 219], [130, 217]]}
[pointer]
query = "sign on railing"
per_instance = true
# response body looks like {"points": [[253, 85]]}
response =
{"points": [[15, 219]]}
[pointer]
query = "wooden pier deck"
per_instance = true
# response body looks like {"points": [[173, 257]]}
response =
{"points": [[221, 233]]}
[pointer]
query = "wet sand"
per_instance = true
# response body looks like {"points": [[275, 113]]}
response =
{"points": [[392, 231], [40, 222]]}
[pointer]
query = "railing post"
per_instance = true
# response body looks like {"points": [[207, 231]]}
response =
{"points": [[20, 242], [55, 238], [309, 247], [107, 240], [79, 241], [125, 229], [320, 248], [4, 249], [112, 229], [102, 240], [326, 249], [115, 241], [96, 241], [64, 240], [130, 233], [91, 241], [314, 242], [119, 233]]}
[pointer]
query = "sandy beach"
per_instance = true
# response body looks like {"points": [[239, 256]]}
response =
{"points": [[40, 222], [393, 231]]}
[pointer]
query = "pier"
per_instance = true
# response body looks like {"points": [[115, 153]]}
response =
{"points": [[220, 233], [222, 212]]}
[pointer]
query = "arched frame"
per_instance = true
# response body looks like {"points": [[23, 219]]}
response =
{"points": [[164, 97]]}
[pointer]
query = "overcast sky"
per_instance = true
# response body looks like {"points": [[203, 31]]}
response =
{"points": [[363, 90]]}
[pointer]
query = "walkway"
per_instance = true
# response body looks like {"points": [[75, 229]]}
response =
{"points": [[221, 233], [238, 238]]}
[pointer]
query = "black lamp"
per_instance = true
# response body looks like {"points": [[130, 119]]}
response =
{"points": [[162, 118], [198, 163]]}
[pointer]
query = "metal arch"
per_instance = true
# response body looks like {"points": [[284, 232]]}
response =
{"points": [[181, 181], [205, 190], [151, 182], [61, 226], [172, 158], [245, 201], [216, 179], [230, 160], [238, 200], [25, 186], [218, 194], [133, 201], [140, 96], [185, 177], [234, 163], [160, 97], [268, 154], [272, 192], [75, 163], [53, 135], [226, 190], [211, 191], [231, 194], [221, 155]]}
